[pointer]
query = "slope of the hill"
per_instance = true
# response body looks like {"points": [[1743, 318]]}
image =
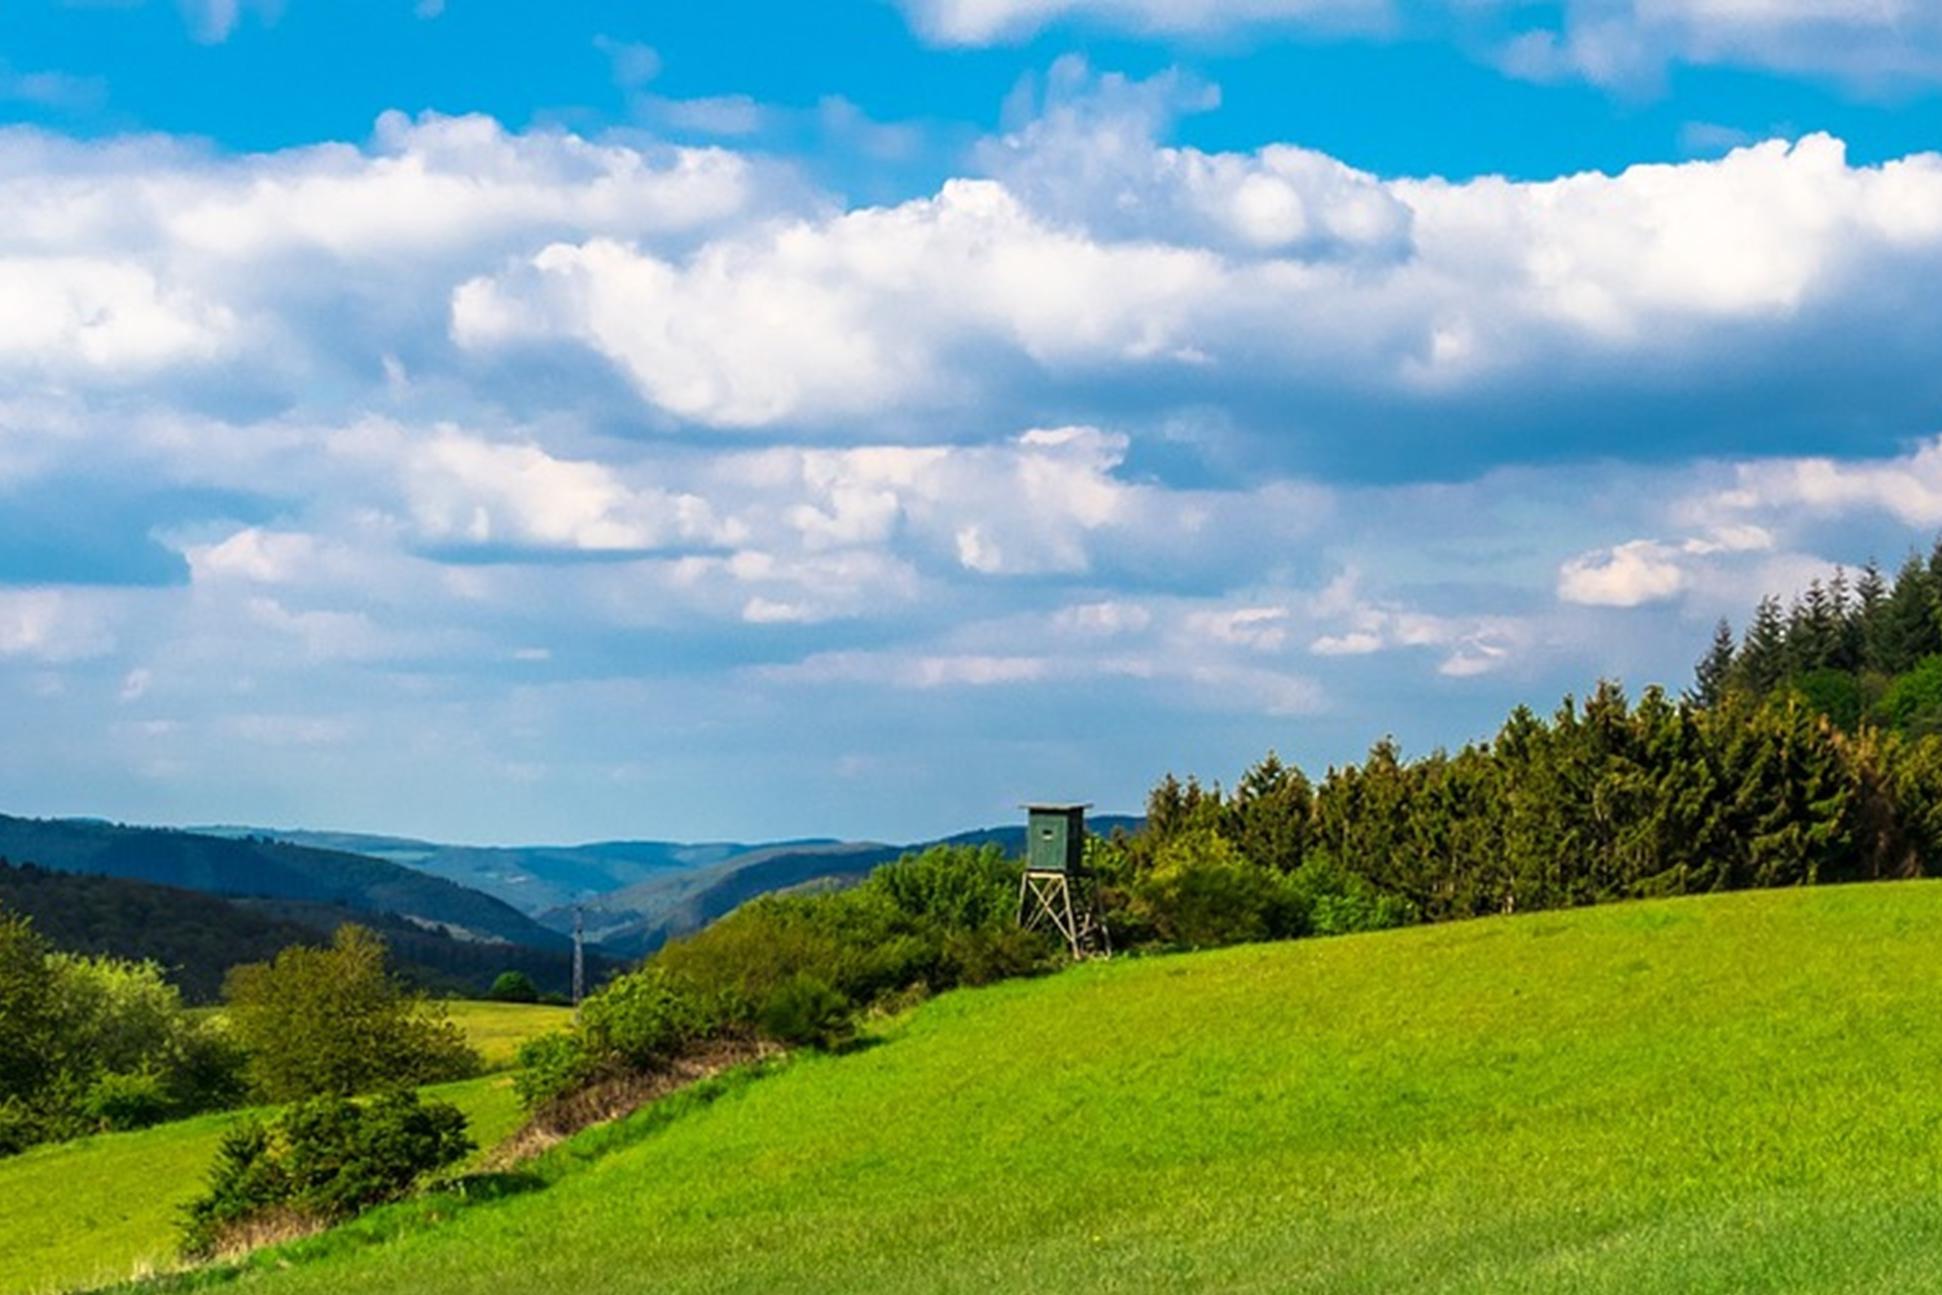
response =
{"points": [[1729, 1093], [266, 869]]}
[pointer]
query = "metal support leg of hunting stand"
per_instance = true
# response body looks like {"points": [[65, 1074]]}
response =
{"points": [[1067, 905]]}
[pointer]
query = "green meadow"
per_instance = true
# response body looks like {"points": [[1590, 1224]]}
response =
{"points": [[82, 1213], [1734, 1093]]}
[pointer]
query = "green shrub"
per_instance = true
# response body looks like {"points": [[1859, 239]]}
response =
{"points": [[321, 1161], [1202, 892], [116, 1102], [639, 1023], [1335, 901], [807, 1011], [335, 1022], [513, 987]]}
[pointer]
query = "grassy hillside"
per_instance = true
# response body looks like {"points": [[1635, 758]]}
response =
{"points": [[83, 1213], [1731, 1093]]}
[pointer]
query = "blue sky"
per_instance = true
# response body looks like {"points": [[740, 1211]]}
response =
{"points": [[494, 421]]}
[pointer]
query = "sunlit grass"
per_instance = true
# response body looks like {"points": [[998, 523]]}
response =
{"points": [[1728, 1094]]}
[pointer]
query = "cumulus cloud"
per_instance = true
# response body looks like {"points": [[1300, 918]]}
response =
{"points": [[136, 256], [1099, 257], [1626, 575]]}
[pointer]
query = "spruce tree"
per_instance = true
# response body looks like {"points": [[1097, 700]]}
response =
{"points": [[1870, 601], [1715, 669], [1762, 662], [1908, 631]]}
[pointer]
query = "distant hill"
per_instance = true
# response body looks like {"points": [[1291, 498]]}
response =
{"points": [[253, 867], [532, 878], [638, 919], [197, 937]]}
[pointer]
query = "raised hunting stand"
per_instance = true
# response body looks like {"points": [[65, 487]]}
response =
{"points": [[1057, 892]]}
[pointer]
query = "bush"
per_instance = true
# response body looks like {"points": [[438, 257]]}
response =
{"points": [[513, 987], [334, 1022], [322, 1161], [1203, 892], [118, 1102], [806, 1011], [639, 1023], [1335, 901]]}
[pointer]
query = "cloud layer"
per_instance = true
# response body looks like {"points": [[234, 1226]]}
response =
{"points": [[520, 483]]}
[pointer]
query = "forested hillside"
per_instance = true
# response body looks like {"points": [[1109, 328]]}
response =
{"points": [[197, 938], [258, 868]]}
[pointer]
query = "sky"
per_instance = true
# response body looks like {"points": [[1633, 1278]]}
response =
{"points": [[498, 422]]}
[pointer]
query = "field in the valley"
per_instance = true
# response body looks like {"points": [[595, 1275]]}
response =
{"points": [[80, 1213], [1740, 1093]]}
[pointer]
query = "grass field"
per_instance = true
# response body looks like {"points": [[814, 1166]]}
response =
{"points": [[1741, 1093], [80, 1213], [497, 1029]]}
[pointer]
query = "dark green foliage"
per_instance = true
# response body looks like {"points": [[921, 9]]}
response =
{"points": [[29, 1021], [321, 1161], [336, 1022], [513, 987], [1833, 692], [1605, 800], [1714, 674], [1913, 702], [806, 1012], [1201, 891]]}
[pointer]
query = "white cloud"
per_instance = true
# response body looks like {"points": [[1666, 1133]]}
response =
{"points": [[1908, 488], [1100, 256], [1623, 43], [1625, 575]]}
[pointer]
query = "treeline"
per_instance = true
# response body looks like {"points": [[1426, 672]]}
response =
{"points": [[1860, 650], [1601, 801]]}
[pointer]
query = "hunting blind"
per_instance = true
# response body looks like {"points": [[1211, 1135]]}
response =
{"points": [[1057, 892]]}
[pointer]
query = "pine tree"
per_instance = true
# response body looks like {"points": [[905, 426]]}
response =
{"points": [[1762, 661], [1715, 669], [1908, 630], [1870, 601]]}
